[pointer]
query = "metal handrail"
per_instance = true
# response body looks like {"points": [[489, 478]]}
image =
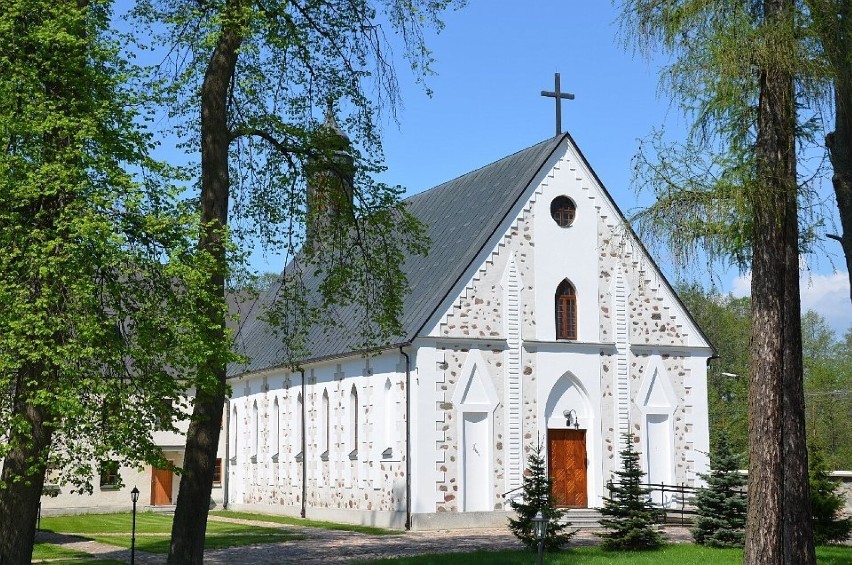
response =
{"points": [[663, 488], [511, 491]]}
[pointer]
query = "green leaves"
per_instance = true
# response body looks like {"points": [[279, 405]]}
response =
{"points": [[99, 274]]}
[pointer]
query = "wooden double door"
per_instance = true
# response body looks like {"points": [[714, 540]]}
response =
{"points": [[566, 456]]}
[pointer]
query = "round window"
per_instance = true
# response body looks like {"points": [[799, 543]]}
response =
{"points": [[563, 210]]}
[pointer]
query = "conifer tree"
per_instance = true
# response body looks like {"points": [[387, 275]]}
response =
{"points": [[733, 193], [628, 515], [538, 495], [826, 504], [722, 504]]}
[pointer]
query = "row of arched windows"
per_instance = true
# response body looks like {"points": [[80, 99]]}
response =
{"points": [[323, 426]]}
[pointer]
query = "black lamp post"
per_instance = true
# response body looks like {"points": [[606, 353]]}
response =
{"points": [[134, 496], [540, 526]]}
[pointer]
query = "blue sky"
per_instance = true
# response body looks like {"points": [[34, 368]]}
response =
{"points": [[492, 61]]}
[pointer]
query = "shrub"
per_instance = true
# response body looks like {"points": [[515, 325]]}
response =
{"points": [[629, 518], [829, 526], [722, 504], [538, 495]]}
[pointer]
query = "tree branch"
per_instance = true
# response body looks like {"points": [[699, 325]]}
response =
{"points": [[279, 146]]}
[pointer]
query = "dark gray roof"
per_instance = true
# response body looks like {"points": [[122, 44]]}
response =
{"points": [[460, 217]]}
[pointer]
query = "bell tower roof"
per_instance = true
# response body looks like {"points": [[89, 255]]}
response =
{"points": [[330, 124]]}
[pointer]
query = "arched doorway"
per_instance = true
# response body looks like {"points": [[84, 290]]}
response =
{"points": [[568, 416]]}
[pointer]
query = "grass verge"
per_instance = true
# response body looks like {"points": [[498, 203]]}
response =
{"points": [[291, 521], [43, 550], [153, 531], [160, 544], [83, 561]]}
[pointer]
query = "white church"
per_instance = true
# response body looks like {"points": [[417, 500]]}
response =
{"points": [[537, 316]]}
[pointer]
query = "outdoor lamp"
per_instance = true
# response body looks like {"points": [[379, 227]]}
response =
{"points": [[540, 525], [571, 418], [134, 497]]}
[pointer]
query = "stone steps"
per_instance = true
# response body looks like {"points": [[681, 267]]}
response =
{"points": [[583, 517]]}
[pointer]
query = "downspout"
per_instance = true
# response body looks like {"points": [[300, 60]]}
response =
{"points": [[407, 438], [226, 475], [304, 447]]}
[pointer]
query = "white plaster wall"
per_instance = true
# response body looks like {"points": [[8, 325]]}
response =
{"points": [[372, 486], [428, 466], [698, 420], [566, 252], [585, 368]]}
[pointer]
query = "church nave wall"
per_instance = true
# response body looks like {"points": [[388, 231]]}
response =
{"points": [[471, 431], [354, 436]]}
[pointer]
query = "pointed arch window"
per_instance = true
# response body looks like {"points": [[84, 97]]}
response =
{"points": [[232, 435], [389, 419], [255, 432], [275, 440], [353, 423], [566, 311], [325, 430], [297, 435]]}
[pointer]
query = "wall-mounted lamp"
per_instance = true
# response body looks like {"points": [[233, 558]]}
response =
{"points": [[571, 418]]}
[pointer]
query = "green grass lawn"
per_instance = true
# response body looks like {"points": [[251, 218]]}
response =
{"points": [[114, 529], [160, 544], [677, 554], [148, 522], [82, 561], [54, 551], [291, 521]]}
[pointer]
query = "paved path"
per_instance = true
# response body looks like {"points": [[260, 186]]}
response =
{"points": [[329, 546], [97, 549]]}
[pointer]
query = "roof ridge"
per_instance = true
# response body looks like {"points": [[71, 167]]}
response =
{"points": [[554, 140]]}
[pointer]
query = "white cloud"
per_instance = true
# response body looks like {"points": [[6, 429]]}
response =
{"points": [[741, 285], [827, 295]]}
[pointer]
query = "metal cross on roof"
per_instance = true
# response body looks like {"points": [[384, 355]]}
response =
{"points": [[558, 95]]}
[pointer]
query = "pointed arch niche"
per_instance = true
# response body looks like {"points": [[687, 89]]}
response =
{"points": [[571, 451], [475, 400], [657, 402]]}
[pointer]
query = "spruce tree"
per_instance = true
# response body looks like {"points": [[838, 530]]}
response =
{"points": [[826, 504], [722, 504], [538, 495], [628, 515]]}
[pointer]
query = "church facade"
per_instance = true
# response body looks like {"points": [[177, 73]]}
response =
{"points": [[537, 317]]}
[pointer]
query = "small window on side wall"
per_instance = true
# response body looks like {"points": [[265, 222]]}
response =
{"points": [[110, 479], [566, 311], [217, 473], [563, 210]]}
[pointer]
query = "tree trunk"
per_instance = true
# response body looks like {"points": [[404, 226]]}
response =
{"points": [[798, 534], [23, 476], [839, 144], [776, 178], [763, 542], [193, 503]]}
